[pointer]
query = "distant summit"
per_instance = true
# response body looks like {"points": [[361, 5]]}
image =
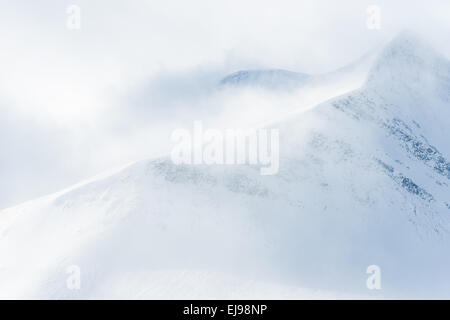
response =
{"points": [[267, 79]]}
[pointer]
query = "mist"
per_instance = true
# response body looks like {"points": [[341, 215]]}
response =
{"points": [[74, 103]]}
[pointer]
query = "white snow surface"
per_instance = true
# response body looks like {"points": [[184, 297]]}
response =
{"points": [[364, 180]]}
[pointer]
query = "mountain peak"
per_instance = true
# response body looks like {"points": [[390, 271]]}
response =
{"points": [[408, 60], [407, 44], [407, 38]]}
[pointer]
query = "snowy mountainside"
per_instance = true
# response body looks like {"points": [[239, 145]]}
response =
{"points": [[363, 180]]}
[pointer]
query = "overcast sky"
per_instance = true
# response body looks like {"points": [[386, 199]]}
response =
{"points": [[61, 90]]}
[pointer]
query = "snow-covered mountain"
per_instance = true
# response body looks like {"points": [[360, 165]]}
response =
{"points": [[364, 180], [267, 79]]}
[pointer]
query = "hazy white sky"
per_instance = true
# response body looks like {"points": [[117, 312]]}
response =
{"points": [[60, 89], [123, 42]]}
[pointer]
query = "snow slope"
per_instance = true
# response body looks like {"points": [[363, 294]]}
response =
{"points": [[363, 180]]}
